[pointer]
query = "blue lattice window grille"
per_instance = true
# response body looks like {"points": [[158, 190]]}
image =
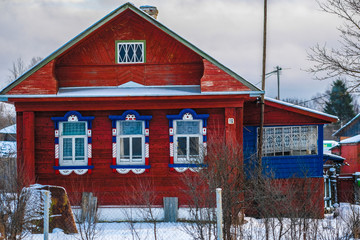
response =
{"points": [[188, 139], [130, 142], [73, 145], [130, 51]]}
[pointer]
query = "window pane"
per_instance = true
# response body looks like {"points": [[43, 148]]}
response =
{"points": [[67, 149], [79, 149], [131, 127], [139, 52], [136, 148], [130, 53], [194, 146], [74, 128], [122, 53], [124, 148], [181, 148], [187, 127]]}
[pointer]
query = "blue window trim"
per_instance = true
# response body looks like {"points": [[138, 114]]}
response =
{"points": [[130, 166], [179, 116], [182, 165], [72, 167], [57, 120], [122, 117]]}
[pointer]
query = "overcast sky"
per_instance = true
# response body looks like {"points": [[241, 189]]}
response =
{"points": [[228, 30]]}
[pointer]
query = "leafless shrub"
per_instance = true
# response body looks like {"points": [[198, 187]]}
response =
{"points": [[87, 219], [17, 215], [224, 170], [142, 194]]}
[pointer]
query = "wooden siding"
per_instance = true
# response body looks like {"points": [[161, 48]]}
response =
{"points": [[41, 82], [351, 153], [216, 80], [280, 115], [91, 62], [352, 130], [113, 188], [283, 166]]}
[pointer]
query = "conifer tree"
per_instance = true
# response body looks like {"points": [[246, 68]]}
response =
{"points": [[340, 102]]}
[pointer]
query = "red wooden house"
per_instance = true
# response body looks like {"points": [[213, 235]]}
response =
{"points": [[129, 99]]}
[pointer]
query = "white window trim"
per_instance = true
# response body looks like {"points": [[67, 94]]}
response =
{"points": [[73, 162], [188, 159], [130, 161]]}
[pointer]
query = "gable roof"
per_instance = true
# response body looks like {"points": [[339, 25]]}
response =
{"points": [[300, 109], [354, 139], [108, 18], [347, 125]]}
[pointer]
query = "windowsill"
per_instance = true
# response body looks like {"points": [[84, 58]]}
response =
{"points": [[293, 156], [187, 165], [72, 167], [130, 166]]}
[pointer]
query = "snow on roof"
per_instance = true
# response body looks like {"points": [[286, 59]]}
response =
{"points": [[300, 107], [329, 156], [10, 129], [133, 90], [354, 139], [347, 124]]}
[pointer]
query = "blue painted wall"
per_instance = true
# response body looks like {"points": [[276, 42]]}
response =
{"points": [[352, 130], [283, 166]]}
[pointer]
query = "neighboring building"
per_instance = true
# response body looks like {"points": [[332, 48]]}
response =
{"points": [[8, 133], [348, 188], [350, 129], [8, 141], [129, 100], [328, 145]]}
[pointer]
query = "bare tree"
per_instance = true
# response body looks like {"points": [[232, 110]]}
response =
{"points": [[19, 67], [17, 210], [224, 170], [344, 60]]}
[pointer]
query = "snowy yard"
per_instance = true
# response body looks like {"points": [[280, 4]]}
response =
{"points": [[329, 228]]}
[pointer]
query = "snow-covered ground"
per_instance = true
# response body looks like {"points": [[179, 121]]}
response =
{"points": [[329, 228]]}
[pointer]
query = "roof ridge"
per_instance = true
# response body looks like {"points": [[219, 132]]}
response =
{"points": [[103, 21]]}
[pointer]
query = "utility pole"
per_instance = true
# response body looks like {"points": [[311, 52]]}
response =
{"points": [[278, 69], [262, 100]]}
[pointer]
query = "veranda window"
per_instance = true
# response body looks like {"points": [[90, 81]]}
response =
{"points": [[290, 140]]}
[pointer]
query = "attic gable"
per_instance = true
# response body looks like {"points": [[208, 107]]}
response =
{"points": [[89, 60]]}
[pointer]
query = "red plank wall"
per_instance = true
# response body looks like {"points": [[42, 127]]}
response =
{"points": [[92, 61], [352, 155], [41, 82], [276, 115], [113, 188]]}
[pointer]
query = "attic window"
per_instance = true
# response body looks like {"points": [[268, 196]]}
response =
{"points": [[130, 52]]}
